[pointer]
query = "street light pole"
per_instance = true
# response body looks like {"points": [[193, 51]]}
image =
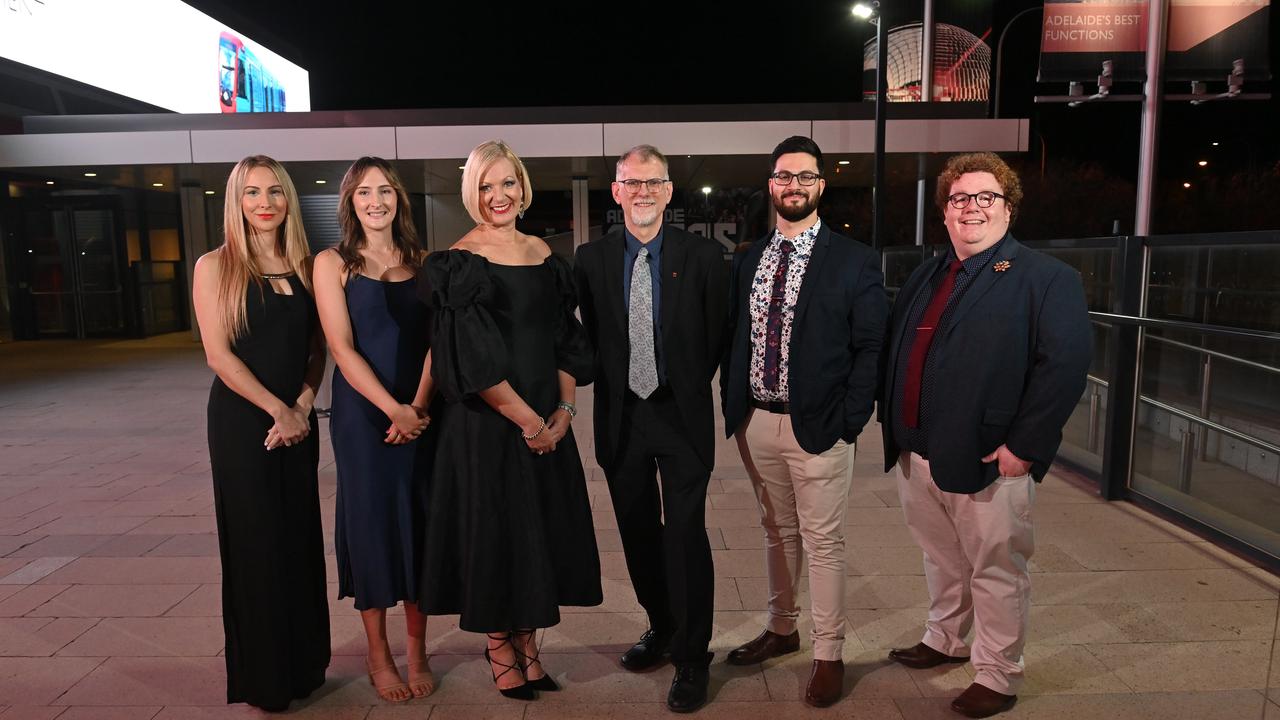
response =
{"points": [[995, 105], [879, 181]]}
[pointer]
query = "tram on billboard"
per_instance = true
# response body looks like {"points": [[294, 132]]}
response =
{"points": [[244, 83]]}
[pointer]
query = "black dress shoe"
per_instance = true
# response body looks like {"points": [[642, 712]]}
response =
{"points": [[688, 688], [921, 657], [980, 701], [768, 644], [647, 652]]}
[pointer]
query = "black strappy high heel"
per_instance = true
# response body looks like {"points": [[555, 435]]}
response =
{"points": [[545, 683], [519, 692]]}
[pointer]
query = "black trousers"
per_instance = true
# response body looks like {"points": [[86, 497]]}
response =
{"points": [[664, 535]]}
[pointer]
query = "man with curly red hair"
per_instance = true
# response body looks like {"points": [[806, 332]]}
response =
{"points": [[986, 358]]}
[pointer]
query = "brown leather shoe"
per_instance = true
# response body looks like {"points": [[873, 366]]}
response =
{"points": [[921, 656], [769, 644], [826, 682], [980, 701]]}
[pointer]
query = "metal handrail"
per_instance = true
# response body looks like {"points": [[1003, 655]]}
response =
{"points": [[1216, 353], [1223, 429], [1190, 439], [1183, 325]]}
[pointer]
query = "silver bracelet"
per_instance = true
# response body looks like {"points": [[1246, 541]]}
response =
{"points": [[569, 408], [542, 425]]}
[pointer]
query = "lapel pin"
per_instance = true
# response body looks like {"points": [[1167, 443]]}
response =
{"points": [[1001, 266]]}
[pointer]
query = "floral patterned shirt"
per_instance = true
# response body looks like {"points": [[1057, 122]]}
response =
{"points": [[758, 304]]}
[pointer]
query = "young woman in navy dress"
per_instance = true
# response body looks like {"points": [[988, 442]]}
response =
{"points": [[377, 331]]}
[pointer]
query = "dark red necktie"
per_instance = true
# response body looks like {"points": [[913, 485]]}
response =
{"points": [[773, 323], [920, 347]]}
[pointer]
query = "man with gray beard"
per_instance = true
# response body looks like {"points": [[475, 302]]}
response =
{"points": [[653, 299]]}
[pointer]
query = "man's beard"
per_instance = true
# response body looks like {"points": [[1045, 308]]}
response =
{"points": [[792, 213]]}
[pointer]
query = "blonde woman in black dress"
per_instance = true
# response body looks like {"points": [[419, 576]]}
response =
{"points": [[509, 535], [261, 337]]}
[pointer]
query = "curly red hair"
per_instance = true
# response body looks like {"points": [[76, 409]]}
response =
{"points": [[957, 165]]}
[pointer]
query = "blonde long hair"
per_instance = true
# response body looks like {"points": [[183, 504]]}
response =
{"points": [[237, 264]]}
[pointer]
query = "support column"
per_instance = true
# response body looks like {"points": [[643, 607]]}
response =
{"points": [[1157, 33], [195, 241], [581, 219]]}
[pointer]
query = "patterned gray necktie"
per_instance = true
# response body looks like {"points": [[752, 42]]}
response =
{"points": [[642, 375]]}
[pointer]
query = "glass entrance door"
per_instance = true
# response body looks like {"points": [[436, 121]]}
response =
{"points": [[75, 280]]}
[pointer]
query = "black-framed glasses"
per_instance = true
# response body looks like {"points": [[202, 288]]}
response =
{"points": [[985, 199], [633, 186], [806, 178]]}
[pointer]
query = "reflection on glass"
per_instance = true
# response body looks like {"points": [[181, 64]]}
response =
{"points": [[1231, 285], [1207, 441]]}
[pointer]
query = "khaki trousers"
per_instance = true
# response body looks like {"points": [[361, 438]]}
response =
{"points": [[976, 549], [802, 499]]}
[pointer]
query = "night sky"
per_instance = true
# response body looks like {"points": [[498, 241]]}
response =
{"points": [[458, 55]]}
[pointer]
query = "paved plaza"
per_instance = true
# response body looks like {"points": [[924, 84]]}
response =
{"points": [[109, 584]]}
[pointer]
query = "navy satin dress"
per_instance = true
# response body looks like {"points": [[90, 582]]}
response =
{"points": [[381, 488]]}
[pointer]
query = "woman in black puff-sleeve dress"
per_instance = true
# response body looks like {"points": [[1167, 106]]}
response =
{"points": [[509, 536]]}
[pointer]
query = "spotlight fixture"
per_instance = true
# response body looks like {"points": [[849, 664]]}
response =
{"points": [[157, 184], [91, 174], [843, 162], [1203, 163], [1186, 185], [706, 189], [321, 182], [208, 192]]}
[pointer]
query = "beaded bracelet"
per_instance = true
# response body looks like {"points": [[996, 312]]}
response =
{"points": [[542, 425]]}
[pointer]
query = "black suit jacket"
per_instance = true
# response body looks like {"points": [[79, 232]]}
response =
{"points": [[1010, 366], [836, 337], [692, 306]]}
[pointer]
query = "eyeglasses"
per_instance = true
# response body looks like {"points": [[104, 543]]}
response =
{"points": [[633, 186], [985, 199], [782, 177]]}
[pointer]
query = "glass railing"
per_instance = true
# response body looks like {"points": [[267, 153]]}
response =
{"points": [[1206, 436]]}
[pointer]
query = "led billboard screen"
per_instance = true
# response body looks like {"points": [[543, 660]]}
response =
{"points": [[161, 52]]}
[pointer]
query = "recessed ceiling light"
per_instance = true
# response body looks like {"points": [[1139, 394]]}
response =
{"points": [[843, 162], [1215, 144], [208, 192], [48, 182], [846, 224], [91, 174], [462, 167], [1186, 185], [321, 182], [157, 184], [706, 189], [1202, 163]]}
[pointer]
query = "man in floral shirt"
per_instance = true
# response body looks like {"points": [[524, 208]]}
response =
{"points": [[807, 317]]}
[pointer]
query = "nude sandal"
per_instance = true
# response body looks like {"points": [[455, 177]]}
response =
{"points": [[384, 691]]}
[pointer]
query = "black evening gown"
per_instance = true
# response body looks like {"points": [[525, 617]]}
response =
{"points": [[274, 608], [378, 528], [509, 535]]}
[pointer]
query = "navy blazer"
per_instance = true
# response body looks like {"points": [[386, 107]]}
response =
{"points": [[1010, 366], [692, 306], [836, 337]]}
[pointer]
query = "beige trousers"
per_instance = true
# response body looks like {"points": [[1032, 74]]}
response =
{"points": [[976, 549], [802, 499]]}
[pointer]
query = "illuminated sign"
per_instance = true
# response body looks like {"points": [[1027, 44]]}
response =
{"points": [[1204, 38], [161, 52]]}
